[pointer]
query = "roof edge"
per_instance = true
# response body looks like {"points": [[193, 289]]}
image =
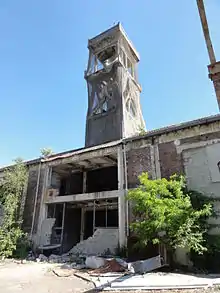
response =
{"points": [[151, 133], [177, 127]]}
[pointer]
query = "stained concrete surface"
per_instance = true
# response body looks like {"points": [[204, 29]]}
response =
{"points": [[38, 277]]}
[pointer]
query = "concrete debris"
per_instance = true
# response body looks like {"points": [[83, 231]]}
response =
{"points": [[103, 240], [63, 272], [53, 258], [30, 256], [110, 266], [122, 262], [66, 258], [42, 258], [79, 266], [94, 262], [159, 281], [152, 281], [144, 266]]}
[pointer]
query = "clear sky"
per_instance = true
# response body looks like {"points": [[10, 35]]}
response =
{"points": [[43, 55]]}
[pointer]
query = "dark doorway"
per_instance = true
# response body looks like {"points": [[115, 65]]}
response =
{"points": [[72, 227]]}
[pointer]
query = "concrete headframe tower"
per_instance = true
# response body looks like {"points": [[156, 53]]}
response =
{"points": [[114, 110]]}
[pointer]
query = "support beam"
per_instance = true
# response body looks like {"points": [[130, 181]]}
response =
{"points": [[63, 221], [76, 166], [84, 181], [43, 206], [82, 224], [93, 165], [111, 160], [214, 67], [93, 216], [205, 28], [121, 199], [83, 197]]}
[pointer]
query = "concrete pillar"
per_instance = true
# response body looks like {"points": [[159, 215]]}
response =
{"points": [[82, 224], [43, 206], [121, 200], [84, 181]]}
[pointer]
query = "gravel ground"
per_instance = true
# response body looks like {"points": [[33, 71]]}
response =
{"points": [[38, 278]]}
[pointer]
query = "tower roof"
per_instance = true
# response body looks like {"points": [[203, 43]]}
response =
{"points": [[92, 43]]}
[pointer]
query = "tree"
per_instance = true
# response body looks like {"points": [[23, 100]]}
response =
{"points": [[165, 215], [46, 152], [11, 192]]}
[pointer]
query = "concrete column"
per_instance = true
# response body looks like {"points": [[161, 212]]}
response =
{"points": [[121, 199], [43, 206], [84, 181], [82, 224]]}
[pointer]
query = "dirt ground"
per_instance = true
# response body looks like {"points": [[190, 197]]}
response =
{"points": [[38, 277]]}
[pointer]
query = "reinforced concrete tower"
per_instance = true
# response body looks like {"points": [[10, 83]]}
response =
{"points": [[114, 110]]}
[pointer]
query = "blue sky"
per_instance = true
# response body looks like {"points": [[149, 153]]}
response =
{"points": [[43, 54]]}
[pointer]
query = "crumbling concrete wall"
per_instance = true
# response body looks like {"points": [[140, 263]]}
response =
{"points": [[203, 174], [30, 198]]}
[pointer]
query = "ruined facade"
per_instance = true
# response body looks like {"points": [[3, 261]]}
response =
{"points": [[84, 190], [77, 199]]}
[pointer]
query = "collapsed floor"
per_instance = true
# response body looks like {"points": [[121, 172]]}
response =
{"points": [[89, 228]]}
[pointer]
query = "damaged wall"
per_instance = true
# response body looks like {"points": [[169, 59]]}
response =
{"points": [[193, 151], [160, 155], [30, 198], [139, 160], [203, 174]]}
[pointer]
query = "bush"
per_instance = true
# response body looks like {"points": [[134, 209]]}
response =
{"points": [[11, 197], [165, 215], [23, 246]]}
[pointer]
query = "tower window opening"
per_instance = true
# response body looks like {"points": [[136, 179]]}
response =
{"points": [[107, 54]]}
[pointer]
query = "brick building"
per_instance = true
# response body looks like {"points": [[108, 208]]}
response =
{"points": [[74, 194]]}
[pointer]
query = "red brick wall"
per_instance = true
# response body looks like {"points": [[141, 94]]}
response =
{"points": [[138, 161], [170, 160]]}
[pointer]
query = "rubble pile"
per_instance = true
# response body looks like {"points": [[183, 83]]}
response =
{"points": [[102, 240], [111, 266]]}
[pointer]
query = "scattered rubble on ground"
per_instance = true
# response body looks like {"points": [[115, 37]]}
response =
{"points": [[116, 274], [110, 266], [41, 258], [97, 244], [143, 266], [94, 262]]}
